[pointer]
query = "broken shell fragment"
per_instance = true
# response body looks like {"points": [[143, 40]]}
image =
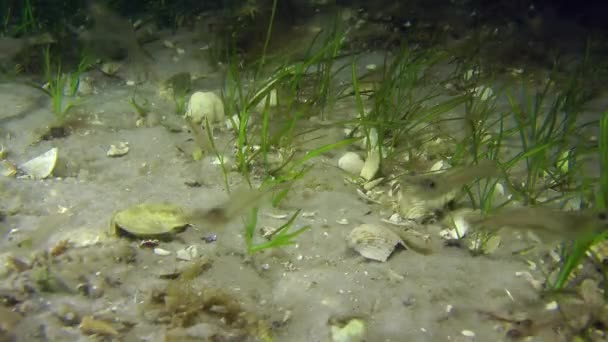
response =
{"points": [[150, 220], [118, 151], [42, 166], [373, 241], [7, 169], [459, 224], [352, 331], [188, 253], [371, 166]]}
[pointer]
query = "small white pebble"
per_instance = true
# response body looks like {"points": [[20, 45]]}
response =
{"points": [[342, 221], [468, 333], [130, 83], [160, 251], [552, 306]]}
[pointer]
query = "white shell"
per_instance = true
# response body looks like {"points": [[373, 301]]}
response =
{"points": [[440, 165], [188, 253], [371, 166], [411, 207], [161, 252], [351, 163], [483, 93], [373, 241], [459, 224], [271, 97], [42, 166], [205, 105]]}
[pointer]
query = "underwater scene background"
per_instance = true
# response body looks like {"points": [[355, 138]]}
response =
{"points": [[303, 170]]}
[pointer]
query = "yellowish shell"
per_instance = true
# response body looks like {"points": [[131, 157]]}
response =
{"points": [[373, 241], [149, 220]]}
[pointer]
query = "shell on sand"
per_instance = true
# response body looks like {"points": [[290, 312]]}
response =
{"points": [[149, 220], [373, 241], [42, 166]]}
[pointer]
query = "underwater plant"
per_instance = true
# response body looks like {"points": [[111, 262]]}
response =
{"points": [[61, 87], [577, 250], [282, 236], [402, 107], [56, 83]]}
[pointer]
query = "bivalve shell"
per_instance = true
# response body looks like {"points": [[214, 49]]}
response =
{"points": [[373, 242], [150, 220]]}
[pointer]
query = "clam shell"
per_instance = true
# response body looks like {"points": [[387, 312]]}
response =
{"points": [[149, 220], [373, 241], [413, 208]]}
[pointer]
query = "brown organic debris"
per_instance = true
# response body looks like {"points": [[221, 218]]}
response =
{"points": [[91, 326], [185, 303], [60, 248]]}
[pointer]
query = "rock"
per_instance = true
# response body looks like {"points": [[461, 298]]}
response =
{"points": [[351, 163], [205, 105]]}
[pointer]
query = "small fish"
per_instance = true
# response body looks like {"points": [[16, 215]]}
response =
{"points": [[437, 185], [557, 223], [10, 47], [239, 201]]}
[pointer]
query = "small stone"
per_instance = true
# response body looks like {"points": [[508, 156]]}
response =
{"points": [[468, 333], [342, 221], [205, 106]]}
